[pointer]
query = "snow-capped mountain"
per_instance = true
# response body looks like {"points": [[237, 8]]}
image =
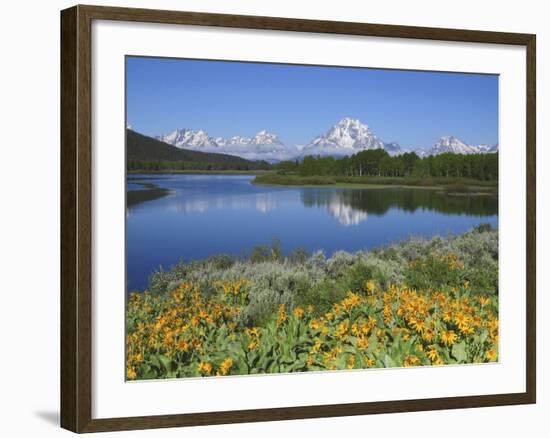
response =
{"points": [[347, 137], [263, 146], [264, 137], [453, 145], [487, 149], [188, 139]]}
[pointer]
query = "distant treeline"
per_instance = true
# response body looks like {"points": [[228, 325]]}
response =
{"points": [[150, 165], [378, 162]]}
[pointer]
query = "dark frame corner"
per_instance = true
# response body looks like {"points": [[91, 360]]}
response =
{"points": [[76, 222]]}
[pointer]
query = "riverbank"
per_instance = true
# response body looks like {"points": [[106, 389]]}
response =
{"points": [[419, 302], [147, 192], [449, 185]]}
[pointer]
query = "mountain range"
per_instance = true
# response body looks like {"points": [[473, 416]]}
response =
{"points": [[451, 144], [346, 137], [263, 146], [140, 148]]}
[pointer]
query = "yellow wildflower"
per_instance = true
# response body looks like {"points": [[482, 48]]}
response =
{"points": [[491, 354], [131, 373], [370, 286], [462, 320], [428, 335], [315, 324], [317, 346], [432, 353], [483, 301], [182, 345], [282, 316], [449, 337], [417, 324], [341, 330], [371, 322], [204, 368], [225, 366], [411, 361], [362, 343], [352, 300]]}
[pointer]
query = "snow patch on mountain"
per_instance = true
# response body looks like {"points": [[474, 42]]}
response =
{"points": [[263, 146], [347, 137], [453, 145]]}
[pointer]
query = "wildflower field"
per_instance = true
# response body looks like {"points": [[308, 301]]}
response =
{"points": [[418, 303]]}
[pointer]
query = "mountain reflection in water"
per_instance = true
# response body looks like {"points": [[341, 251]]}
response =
{"points": [[197, 216]]}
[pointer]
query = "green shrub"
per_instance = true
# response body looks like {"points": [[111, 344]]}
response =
{"points": [[434, 272]]}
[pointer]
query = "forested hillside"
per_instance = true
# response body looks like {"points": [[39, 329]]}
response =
{"points": [[146, 153]]}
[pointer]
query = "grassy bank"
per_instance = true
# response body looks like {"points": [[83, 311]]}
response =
{"points": [[458, 185], [421, 302]]}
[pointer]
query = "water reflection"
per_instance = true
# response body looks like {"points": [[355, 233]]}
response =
{"points": [[352, 206], [262, 202], [348, 206], [197, 216], [344, 213]]}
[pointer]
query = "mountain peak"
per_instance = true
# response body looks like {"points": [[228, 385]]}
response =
{"points": [[266, 138], [349, 121], [453, 145], [346, 137]]}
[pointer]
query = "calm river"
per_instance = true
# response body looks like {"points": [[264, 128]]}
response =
{"points": [[173, 217]]}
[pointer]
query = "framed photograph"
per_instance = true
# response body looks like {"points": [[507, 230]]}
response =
{"points": [[269, 218]]}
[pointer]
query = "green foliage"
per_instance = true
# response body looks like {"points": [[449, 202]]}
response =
{"points": [[298, 256], [378, 163], [265, 253], [434, 271]]}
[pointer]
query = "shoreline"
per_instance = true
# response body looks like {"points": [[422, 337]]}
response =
{"points": [[271, 253], [451, 187], [472, 191], [339, 185], [196, 172]]}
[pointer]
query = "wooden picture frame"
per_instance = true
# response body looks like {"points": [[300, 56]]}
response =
{"points": [[76, 217]]}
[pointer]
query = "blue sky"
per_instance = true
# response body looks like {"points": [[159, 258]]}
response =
{"points": [[300, 102]]}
